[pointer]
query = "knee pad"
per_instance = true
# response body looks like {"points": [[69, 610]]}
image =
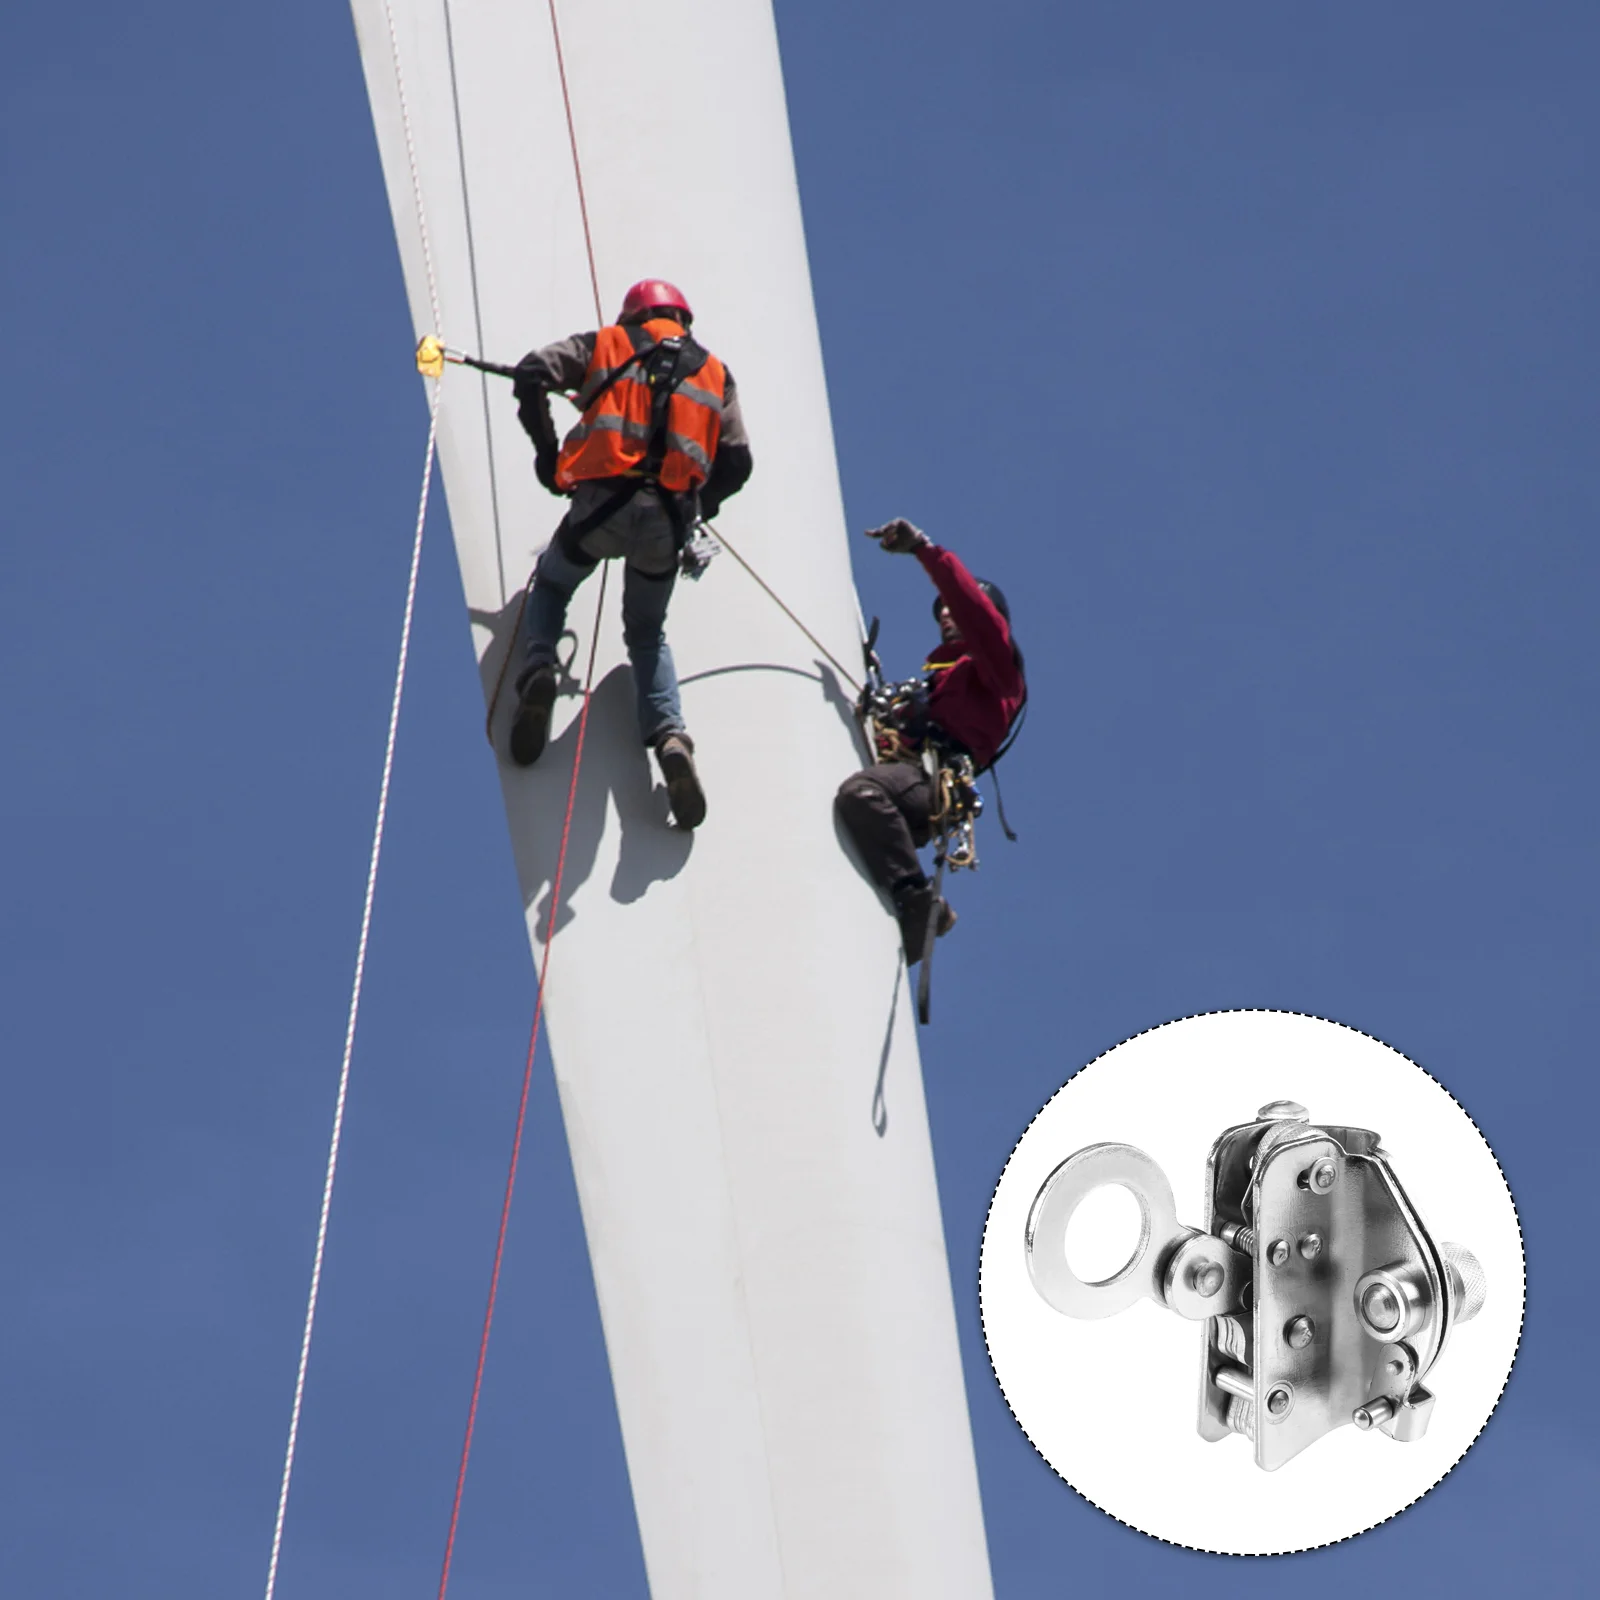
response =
{"points": [[855, 794]]}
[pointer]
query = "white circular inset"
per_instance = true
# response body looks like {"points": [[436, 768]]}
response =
{"points": [[1105, 1380]]}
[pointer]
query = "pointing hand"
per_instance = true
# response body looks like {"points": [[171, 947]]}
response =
{"points": [[900, 538]]}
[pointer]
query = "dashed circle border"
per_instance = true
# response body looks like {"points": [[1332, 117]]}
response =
{"points": [[1327, 1544]]}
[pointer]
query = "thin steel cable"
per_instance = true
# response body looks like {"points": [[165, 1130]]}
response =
{"points": [[477, 303], [355, 1002], [522, 1103], [337, 1134], [773, 595]]}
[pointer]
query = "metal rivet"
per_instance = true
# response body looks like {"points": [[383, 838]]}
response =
{"points": [[1278, 1402], [1310, 1246], [1323, 1176], [1399, 1363], [1278, 1252], [1206, 1278], [1282, 1111], [1380, 1306], [1299, 1333]]}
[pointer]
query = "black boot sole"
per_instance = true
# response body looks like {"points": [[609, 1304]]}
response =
{"points": [[531, 726], [684, 794]]}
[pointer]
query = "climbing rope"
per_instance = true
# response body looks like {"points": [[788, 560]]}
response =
{"points": [[772, 594], [340, 1098], [355, 1000], [522, 1103], [555, 899]]}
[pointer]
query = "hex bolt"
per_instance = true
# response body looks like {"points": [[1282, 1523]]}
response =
{"points": [[1206, 1278], [1299, 1332], [1324, 1175], [1278, 1252], [1279, 1400], [1374, 1413], [1310, 1246]]}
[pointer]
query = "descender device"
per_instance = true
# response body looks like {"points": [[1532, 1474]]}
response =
{"points": [[1324, 1297]]}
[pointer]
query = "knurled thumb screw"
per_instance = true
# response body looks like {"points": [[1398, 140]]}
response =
{"points": [[1467, 1281]]}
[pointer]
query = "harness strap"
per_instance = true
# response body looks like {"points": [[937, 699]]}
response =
{"points": [[571, 533], [925, 977]]}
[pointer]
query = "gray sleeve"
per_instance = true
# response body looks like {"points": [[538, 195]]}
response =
{"points": [[561, 366], [733, 433]]}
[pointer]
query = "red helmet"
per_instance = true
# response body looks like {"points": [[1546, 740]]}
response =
{"points": [[650, 294]]}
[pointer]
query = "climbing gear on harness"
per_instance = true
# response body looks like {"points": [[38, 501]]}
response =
{"points": [[1325, 1298], [653, 294], [957, 806], [530, 728], [675, 752], [899, 728], [697, 552], [898, 713]]}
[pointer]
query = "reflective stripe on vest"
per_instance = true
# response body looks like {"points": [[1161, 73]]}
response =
{"points": [[612, 436]]}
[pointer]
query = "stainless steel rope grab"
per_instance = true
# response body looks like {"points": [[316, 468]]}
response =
{"points": [[1325, 1299]]}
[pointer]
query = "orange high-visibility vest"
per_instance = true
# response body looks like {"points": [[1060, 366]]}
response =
{"points": [[613, 436]]}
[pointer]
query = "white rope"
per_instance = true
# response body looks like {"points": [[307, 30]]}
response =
{"points": [[416, 180], [377, 849], [355, 1001]]}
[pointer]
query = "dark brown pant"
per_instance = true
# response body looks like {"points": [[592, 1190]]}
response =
{"points": [[885, 809]]}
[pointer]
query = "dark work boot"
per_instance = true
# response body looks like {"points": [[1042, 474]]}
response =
{"points": [[916, 908], [675, 752], [536, 694]]}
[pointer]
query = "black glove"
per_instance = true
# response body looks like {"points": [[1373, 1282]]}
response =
{"points": [[544, 469], [528, 379], [900, 538]]}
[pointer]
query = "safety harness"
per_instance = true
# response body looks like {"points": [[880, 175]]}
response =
{"points": [[665, 365], [901, 727]]}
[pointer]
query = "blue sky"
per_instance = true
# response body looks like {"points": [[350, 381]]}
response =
{"points": [[1251, 349]]}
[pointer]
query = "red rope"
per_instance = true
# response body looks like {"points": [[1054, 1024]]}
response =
{"points": [[577, 166], [522, 1105], [555, 904]]}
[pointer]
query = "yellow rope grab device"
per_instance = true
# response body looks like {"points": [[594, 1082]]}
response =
{"points": [[430, 356], [433, 352]]}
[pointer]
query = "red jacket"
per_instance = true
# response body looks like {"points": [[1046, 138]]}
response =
{"points": [[975, 686]]}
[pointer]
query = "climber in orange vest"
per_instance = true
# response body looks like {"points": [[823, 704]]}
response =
{"points": [[659, 444]]}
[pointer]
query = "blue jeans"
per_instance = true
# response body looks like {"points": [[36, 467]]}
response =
{"points": [[641, 533]]}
